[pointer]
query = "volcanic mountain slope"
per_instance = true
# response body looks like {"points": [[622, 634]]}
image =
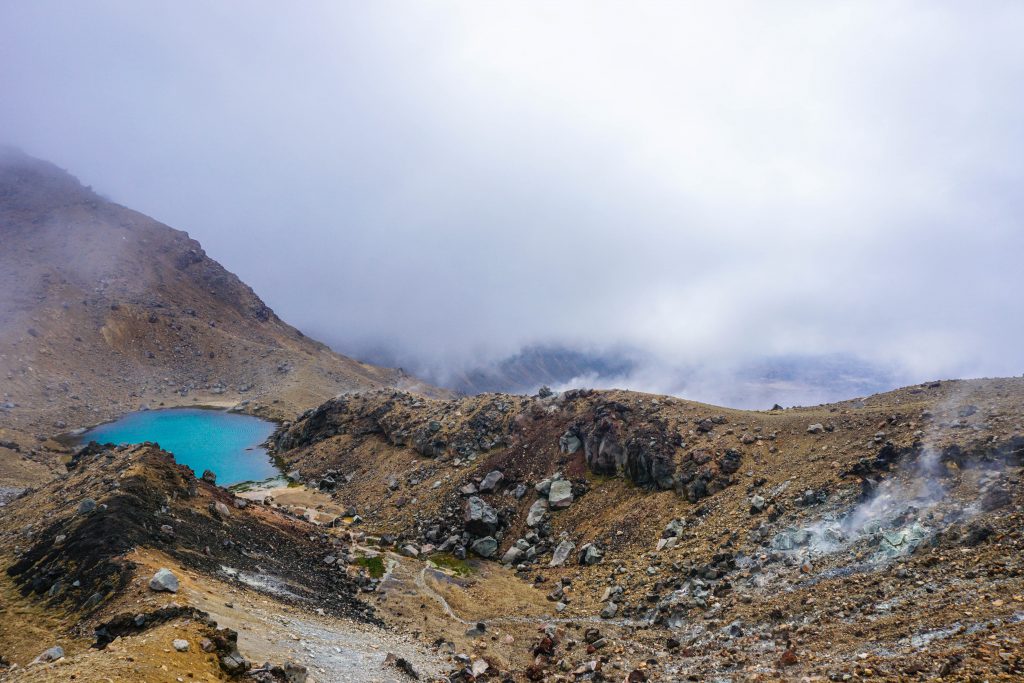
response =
{"points": [[80, 556], [103, 309], [878, 538]]}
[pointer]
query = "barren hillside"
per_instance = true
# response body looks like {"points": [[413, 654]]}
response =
{"points": [[104, 310], [875, 538]]}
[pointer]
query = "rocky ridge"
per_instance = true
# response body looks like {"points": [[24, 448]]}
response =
{"points": [[718, 542]]}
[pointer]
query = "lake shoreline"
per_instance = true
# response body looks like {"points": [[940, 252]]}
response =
{"points": [[231, 444]]}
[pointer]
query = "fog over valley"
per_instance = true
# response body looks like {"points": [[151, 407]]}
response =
{"points": [[688, 202]]}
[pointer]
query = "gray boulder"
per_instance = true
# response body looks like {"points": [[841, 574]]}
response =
{"points": [[757, 504], [86, 506], [536, 513], [485, 547], [569, 443], [512, 556], [52, 655], [295, 672], [560, 495], [674, 528], [164, 580], [491, 481], [590, 554], [234, 663], [480, 518], [562, 553]]}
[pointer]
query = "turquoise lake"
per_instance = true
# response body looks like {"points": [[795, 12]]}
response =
{"points": [[226, 443]]}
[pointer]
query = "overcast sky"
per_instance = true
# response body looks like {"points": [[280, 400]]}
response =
{"points": [[709, 182]]}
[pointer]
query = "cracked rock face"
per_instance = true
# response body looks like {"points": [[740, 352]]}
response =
{"points": [[617, 442]]}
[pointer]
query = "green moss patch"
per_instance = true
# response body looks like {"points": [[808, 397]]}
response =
{"points": [[374, 565]]}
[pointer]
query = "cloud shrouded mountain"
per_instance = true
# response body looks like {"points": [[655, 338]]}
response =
{"points": [[711, 185], [103, 310]]}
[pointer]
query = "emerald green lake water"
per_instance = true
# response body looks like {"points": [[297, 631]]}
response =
{"points": [[226, 443]]}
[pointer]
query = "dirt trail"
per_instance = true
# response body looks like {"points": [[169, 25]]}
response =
{"points": [[421, 583], [332, 649]]}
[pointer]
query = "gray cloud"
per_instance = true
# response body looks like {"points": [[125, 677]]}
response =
{"points": [[710, 183]]}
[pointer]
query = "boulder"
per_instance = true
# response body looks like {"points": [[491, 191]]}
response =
{"points": [[209, 477], [609, 611], [569, 443], [816, 428], [674, 527], [757, 504], [52, 655], [295, 672], [86, 506], [234, 663], [180, 644], [480, 518], [512, 556], [667, 543], [491, 481], [164, 580], [536, 514], [590, 554], [562, 552], [402, 664], [604, 452], [649, 466], [650, 456], [730, 462], [560, 495], [485, 547]]}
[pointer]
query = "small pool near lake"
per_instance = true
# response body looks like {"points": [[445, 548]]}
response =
{"points": [[226, 443]]}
